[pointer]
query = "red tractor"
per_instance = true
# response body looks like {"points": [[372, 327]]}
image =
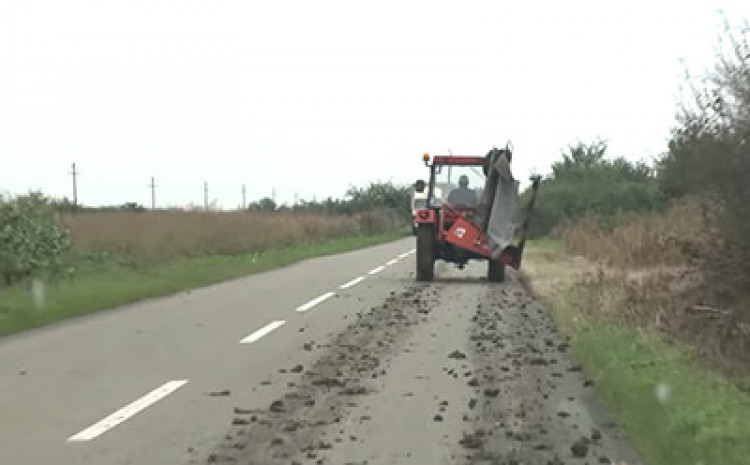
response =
{"points": [[472, 203]]}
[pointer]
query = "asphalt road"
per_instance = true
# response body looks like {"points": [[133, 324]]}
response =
{"points": [[341, 359]]}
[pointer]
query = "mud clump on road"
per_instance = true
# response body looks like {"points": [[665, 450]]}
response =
{"points": [[528, 412], [223, 393], [277, 406], [475, 370], [292, 430], [457, 354], [580, 448]]}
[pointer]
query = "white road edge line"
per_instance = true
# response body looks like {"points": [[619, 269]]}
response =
{"points": [[392, 262], [263, 331], [353, 282], [411, 251], [128, 411], [307, 306], [376, 270]]}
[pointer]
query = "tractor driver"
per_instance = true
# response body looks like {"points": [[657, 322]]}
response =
{"points": [[462, 196]]}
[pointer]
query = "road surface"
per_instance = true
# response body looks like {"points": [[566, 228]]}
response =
{"points": [[337, 360]]}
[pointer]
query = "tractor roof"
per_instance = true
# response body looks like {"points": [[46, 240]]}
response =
{"points": [[470, 160]]}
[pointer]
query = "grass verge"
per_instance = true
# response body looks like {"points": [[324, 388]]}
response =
{"points": [[675, 409], [110, 283]]}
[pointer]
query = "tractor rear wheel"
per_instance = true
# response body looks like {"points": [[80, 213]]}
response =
{"points": [[425, 252], [495, 271]]}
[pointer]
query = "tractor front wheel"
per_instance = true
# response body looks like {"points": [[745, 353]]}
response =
{"points": [[495, 271], [425, 252]]}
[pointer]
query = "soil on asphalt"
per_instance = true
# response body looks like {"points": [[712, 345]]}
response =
{"points": [[458, 371]]}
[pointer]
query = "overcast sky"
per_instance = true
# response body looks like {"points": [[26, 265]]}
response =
{"points": [[314, 96]]}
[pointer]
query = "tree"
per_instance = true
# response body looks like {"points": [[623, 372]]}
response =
{"points": [[380, 195], [266, 204], [579, 157], [709, 152], [132, 206], [377, 195], [584, 181]]}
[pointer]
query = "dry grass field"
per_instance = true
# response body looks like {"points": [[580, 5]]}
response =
{"points": [[156, 236]]}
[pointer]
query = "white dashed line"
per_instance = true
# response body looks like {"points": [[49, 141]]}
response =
{"points": [[377, 270], [407, 253], [392, 262], [263, 331], [353, 282], [315, 301], [128, 411]]}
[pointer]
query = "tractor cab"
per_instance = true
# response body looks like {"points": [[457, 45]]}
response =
{"points": [[457, 184]]}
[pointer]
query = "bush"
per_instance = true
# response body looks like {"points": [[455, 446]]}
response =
{"points": [[584, 182], [381, 195], [709, 153], [376, 196], [266, 204], [670, 238], [31, 239]]}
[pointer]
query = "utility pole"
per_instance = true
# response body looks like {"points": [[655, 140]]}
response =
{"points": [[153, 194], [75, 173], [244, 204], [296, 198], [205, 195], [273, 194]]}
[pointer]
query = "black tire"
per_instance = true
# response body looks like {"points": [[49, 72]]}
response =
{"points": [[425, 252], [495, 271]]}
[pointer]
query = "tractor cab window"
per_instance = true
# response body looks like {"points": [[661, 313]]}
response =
{"points": [[448, 180]]}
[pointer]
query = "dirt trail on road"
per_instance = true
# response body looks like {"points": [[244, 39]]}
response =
{"points": [[454, 372]]}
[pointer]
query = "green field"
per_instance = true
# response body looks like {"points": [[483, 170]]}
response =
{"points": [[105, 281]]}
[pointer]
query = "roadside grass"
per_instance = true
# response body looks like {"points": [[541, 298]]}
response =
{"points": [[543, 244], [676, 409], [101, 283]]}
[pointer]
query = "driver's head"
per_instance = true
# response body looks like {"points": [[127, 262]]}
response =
{"points": [[463, 180]]}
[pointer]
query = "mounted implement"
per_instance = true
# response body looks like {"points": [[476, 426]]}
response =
{"points": [[470, 214]]}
